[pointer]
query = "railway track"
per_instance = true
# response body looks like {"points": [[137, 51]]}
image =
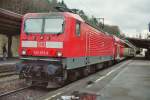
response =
{"points": [[25, 93], [7, 74], [14, 91], [7, 70], [4, 69], [7, 67]]}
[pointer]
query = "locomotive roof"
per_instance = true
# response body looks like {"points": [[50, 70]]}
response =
{"points": [[76, 16], [65, 14]]}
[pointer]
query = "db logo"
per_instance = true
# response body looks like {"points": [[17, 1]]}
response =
{"points": [[41, 44]]}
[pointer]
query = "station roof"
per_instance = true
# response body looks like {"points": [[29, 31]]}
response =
{"points": [[9, 22], [140, 43]]}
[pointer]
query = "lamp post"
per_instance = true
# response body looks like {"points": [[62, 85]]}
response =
{"points": [[101, 22], [149, 26]]}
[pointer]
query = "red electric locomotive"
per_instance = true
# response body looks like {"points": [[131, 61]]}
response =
{"points": [[60, 46]]}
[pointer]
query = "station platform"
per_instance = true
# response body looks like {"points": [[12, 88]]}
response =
{"points": [[8, 65], [129, 80], [132, 83]]}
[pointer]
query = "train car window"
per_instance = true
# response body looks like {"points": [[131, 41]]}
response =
{"points": [[78, 28], [33, 25]]}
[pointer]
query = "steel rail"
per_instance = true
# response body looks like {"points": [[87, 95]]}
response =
{"points": [[14, 91]]}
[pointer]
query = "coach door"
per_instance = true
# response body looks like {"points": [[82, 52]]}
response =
{"points": [[118, 51], [87, 52]]}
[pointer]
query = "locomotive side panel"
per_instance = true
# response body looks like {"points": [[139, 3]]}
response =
{"points": [[100, 44], [90, 47], [76, 40]]}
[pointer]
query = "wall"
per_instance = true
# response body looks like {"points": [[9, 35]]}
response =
{"points": [[3, 41], [15, 45]]}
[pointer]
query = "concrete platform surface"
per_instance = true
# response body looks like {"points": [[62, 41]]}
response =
{"points": [[132, 83]]}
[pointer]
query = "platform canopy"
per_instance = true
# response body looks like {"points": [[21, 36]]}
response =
{"points": [[9, 22], [140, 43]]}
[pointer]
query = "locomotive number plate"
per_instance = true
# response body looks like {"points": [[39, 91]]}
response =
{"points": [[41, 44], [36, 52]]}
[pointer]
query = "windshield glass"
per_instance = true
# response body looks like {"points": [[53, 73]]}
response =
{"points": [[33, 25], [49, 26], [53, 26]]}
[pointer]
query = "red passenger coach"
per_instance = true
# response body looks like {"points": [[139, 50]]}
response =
{"points": [[119, 48], [59, 46]]}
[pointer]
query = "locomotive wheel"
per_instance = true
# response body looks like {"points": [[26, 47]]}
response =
{"points": [[115, 62], [73, 75], [85, 72], [110, 63], [93, 69], [65, 75], [99, 66], [106, 64], [65, 78]]}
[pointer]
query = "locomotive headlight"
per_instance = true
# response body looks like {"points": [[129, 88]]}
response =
{"points": [[59, 54], [23, 52]]}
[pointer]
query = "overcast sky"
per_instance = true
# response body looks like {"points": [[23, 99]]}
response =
{"points": [[132, 16]]}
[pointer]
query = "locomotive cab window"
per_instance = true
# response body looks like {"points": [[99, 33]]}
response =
{"points": [[43, 25], [78, 28], [33, 25]]}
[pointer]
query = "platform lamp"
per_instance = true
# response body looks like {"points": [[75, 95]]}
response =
{"points": [[149, 26]]}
